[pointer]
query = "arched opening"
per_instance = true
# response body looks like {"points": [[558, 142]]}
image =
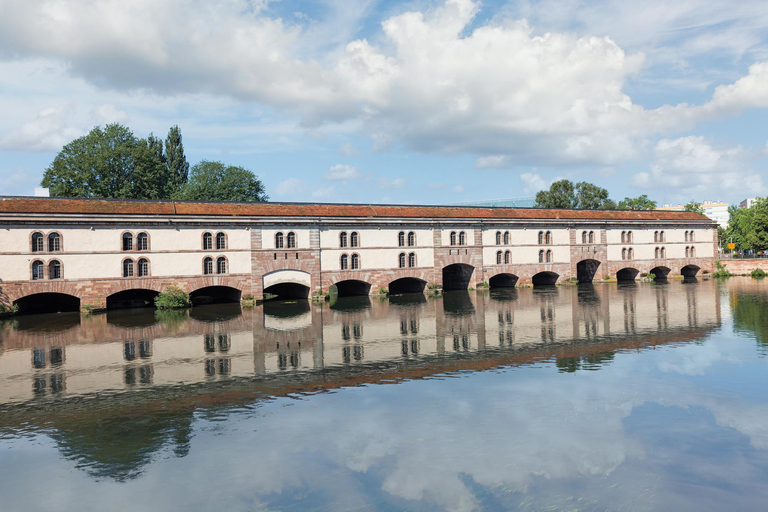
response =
{"points": [[287, 291], [627, 274], [215, 313], [689, 271], [408, 300], [134, 298], [586, 270], [350, 304], [545, 279], [352, 288], [407, 285], [503, 281], [661, 273], [132, 318], [214, 295], [457, 276], [48, 303]]}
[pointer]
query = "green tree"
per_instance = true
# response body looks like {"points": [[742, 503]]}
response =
{"points": [[759, 238], [215, 181], [740, 227], [176, 160], [637, 203], [583, 195], [695, 207], [109, 162]]}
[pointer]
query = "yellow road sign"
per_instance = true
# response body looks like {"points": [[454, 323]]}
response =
{"points": [[731, 246]]}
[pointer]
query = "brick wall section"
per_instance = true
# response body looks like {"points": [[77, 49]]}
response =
{"points": [[745, 266]]}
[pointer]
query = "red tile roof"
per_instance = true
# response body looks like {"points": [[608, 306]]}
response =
{"points": [[43, 205]]}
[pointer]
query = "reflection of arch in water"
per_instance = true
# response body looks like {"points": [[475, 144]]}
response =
{"points": [[457, 276], [660, 272], [689, 271], [545, 279], [586, 270], [48, 302], [133, 298], [214, 295], [143, 317], [216, 312], [458, 303], [54, 322], [586, 295], [287, 315], [352, 288], [627, 274], [503, 294], [294, 284], [503, 280], [407, 285], [408, 300], [350, 304]]}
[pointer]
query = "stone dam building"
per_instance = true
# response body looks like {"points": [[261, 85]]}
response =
{"points": [[65, 254]]}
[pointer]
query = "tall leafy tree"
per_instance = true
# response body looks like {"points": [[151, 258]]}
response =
{"points": [[215, 181], [693, 206], [583, 195], [637, 203], [176, 160]]}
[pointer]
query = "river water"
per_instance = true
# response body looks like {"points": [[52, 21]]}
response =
{"points": [[604, 397]]}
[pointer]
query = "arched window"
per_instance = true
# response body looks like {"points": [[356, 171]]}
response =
{"points": [[221, 241], [54, 242], [691, 237], [549, 256], [354, 240], [221, 265], [290, 240], [623, 251], [38, 269], [656, 253], [591, 237], [498, 238], [355, 262], [623, 237], [344, 262], [412, 259], [401, 260], [693, 252], [462, 238], [583, 237], [127, 268], [631, 254], [506, 238], [662, 238], [663, 252], [453, 238], [506, 257], [411, 239], [127, 241], [142, 266], [343, 239], [655, 236], [208, 265], [686, 237], [401, 239], [278, 240], [549, 238], [629, 237], [498, 257], [541, 256], [54, 270], [541, 238], [142, 242], [207, 241], [37, 242], [687, 250]]}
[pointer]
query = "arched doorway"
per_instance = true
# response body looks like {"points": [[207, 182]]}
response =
{"points": [[288, 284], [545, 279], [661, 273], [133, 298], [503, 281], [457, 276], [407, 285], [586, 270], [48, 303], [689, 271], [287, 291], [627, 274], [214, 295], [352, 288]]}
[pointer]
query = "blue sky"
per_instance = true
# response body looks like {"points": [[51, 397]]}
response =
{"points": [[439, 101]]}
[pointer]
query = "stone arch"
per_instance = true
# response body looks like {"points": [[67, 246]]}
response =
{"points": [[407, 285], [627, 274], [586, 270], [288, 283], [689, 271], [457, 276], [48, 302], [215, 294], [132, 298], [545, 279], [352, 288], [661, 272], [503, 280]]}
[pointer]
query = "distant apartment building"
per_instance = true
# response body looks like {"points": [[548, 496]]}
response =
{"points": [[747, 203], [715, 210]]}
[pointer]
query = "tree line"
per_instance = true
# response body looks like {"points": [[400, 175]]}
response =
{"points": [[747, 227], [111, 162], [587, 196]]}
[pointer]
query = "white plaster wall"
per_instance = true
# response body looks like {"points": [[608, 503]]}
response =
{"points": [[469, 236], [489, 236], [302, 237], [376, 258]]}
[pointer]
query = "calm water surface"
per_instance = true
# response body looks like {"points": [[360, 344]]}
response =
{"points": [[638, 397]]}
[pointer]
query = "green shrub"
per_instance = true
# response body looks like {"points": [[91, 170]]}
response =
{"points": [[758, 273], [173, 297], [5, 309], [721, 271], [651, 276], [88, 309], [382, 291], [606, 277]]}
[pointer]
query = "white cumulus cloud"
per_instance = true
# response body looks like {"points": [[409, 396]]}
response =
{"points": [[341, 172]]}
